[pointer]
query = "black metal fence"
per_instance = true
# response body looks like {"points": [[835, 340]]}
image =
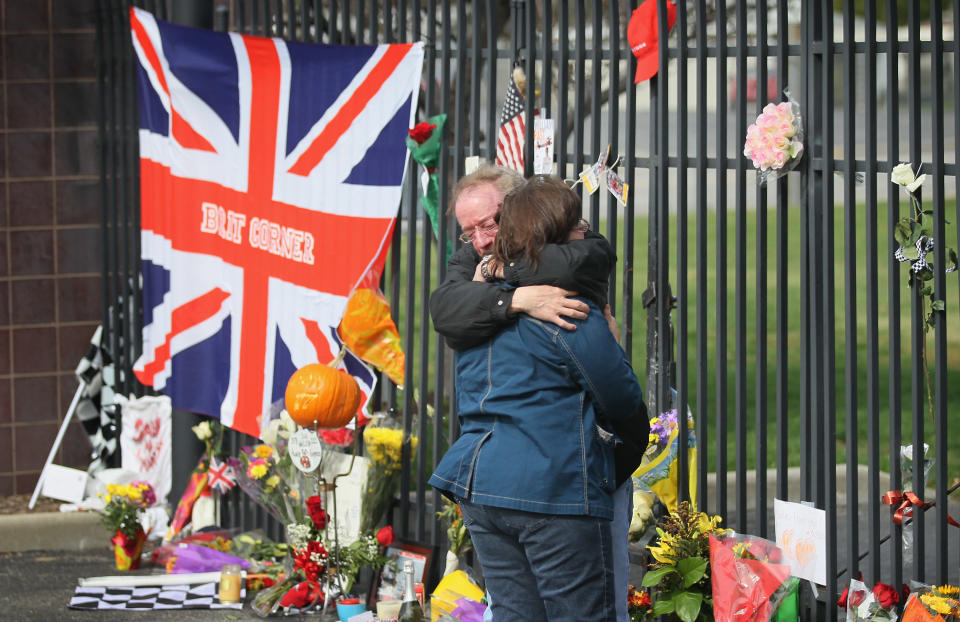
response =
{"points": [[788, 337]]}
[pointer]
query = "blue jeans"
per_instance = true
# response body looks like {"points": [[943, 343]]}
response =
{"points": [[541, 567], [620, 533]]}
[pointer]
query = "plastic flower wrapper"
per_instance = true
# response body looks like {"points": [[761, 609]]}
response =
{"points": [[197, 558], [933, 603], [457, 534], [367, 328], [907, 462], [383, 441], [876, 605], [756, 586], [659, 471], [642, 518], [775, 140], [266, 473]]}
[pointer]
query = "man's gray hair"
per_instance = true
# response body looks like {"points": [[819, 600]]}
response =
{"points": [[504, 179]]}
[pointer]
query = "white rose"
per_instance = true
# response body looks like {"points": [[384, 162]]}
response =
{"points": [[202, 430]]}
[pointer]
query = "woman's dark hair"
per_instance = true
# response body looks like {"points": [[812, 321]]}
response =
{"points": [[544, 210]]}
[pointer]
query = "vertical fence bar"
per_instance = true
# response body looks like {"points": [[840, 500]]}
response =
{"points": [[476, 67], [614, 138], [721, 266], [917, 330], [872, 336], [629, 230], [956, 138], [850, 287], [596, 105], [546, 71], [939, 288], [760, 306], [703, 380], [529, 104], [683, 464], [783, 430], [662, 207], [740, 289], [806, 317], [491, 82], [580, 77], [828, 406], [893, 284], [563, 99]]}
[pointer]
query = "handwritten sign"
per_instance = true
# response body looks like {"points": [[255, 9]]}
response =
{"points": [[802, 535]]}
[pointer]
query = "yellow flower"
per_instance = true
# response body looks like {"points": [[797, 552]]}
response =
{"points": [[273, 480], [134, 493], [263, 451], [257, 470], [948, 590], [294, 494], [662, 553], [937, 603]]}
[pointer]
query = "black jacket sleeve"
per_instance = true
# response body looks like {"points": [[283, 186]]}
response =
{"points": [[633, 435], [582, 266], [468, 312]]}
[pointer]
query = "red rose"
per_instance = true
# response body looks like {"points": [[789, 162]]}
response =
{"points": [[857, 598], [341, 438], [317, 514], [842, 602], [385, 536], [421, 132], [301, 595], [886, 595]]}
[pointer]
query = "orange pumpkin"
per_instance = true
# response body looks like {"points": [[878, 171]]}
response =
{"points": [[321, 396]]}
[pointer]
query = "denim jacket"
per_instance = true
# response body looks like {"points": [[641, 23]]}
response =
{"points": [[536, 404]]}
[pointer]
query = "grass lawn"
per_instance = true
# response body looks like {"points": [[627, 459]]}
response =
{"points": [[410, 307]]}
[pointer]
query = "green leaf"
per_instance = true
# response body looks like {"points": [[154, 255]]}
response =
{"points": [[910, 252], [926, 291], [937, 305], [654, 577], [902, 231], [662, 607], [691, 569], [687, 605], [928, 212], [952, 257]]}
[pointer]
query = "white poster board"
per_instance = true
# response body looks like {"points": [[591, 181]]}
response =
{"points": [[349, 489], [802, 535]]}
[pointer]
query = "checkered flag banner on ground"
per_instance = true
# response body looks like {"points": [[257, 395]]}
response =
{"points": [[95, 410], [510, 137], [201, 596]]}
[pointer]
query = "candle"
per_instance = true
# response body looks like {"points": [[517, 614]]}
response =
{"points": [[230, 583]]}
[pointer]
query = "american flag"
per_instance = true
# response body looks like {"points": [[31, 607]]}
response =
{"points": [[510, 138], [271, 175]]}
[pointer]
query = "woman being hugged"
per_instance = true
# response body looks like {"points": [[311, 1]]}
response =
{"points": [[541, 409]]}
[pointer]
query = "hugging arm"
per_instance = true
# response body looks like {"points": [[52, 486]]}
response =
{"points": [[468, 312]]}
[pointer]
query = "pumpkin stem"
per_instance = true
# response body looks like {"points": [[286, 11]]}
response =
{"points": [[339, 358]]}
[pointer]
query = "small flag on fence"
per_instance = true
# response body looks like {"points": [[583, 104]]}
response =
{"points": [[510, 138]]}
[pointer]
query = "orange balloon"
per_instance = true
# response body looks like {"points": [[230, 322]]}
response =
{"points": [[368, 330], [321, 396]]}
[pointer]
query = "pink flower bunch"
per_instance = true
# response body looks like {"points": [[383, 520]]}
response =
{"points": [[773, 140]]}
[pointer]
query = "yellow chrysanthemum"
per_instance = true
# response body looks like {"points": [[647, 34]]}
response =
{"points": [[948, 590], [937, 603], [273, 480], [257, 470], [263, 451]]}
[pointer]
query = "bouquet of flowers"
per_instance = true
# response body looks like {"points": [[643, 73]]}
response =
{"points": [[875, 605], [775, 141], [658, 472], [638, 605], [361, 553], [939, 603], [267, 474], [384, 445], [755, 584], [679, 579], [457, 535], [124, 505]]}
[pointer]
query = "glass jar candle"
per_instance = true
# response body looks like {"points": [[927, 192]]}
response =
{"points": [[230, 581]]}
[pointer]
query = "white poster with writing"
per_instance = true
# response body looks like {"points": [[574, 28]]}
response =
{"points": [[543, 146], [145, 440], [802, 535]]}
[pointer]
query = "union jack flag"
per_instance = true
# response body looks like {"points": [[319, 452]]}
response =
{"points": [[271, 174]]}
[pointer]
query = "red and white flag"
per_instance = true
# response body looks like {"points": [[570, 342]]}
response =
{"points": [[510, 138]]}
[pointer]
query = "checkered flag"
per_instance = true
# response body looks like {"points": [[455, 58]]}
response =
{"points": [[201, 596], [96, 411]]}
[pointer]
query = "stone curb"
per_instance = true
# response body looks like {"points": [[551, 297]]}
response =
{"points": [[55, 531]]}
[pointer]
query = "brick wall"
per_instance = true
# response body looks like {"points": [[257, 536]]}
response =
{"points": [[50, 255]]}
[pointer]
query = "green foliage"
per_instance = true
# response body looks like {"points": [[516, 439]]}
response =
{"points": [[903, 15]]}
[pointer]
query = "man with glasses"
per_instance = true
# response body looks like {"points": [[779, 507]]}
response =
{"points": [[468, 308]]}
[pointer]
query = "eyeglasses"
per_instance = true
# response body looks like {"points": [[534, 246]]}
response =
{"points": [[486, 228]]}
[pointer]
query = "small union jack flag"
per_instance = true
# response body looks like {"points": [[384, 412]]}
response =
{"points": [[221, 476], [271, 175], [511, 137]]}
